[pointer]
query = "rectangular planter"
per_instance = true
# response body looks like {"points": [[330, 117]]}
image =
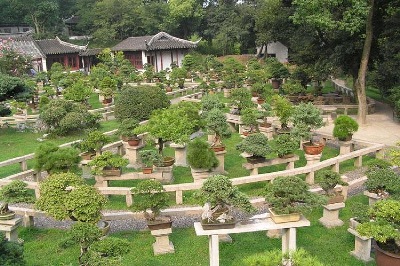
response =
{"points": [[284, 218], [112, 172]]}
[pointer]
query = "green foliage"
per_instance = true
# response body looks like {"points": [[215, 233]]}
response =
{"points": [[218, 190], [12, 253], [290, 194], [386, 221], [53, 159], [256, 144], [383, 180], [191, 110], [15, 88], [105, 160], [178, 75], [360, 212], [394, 155], [328, 179], [378, 163], [200, 155], [63, 117], [306, 117], [150, 195], [108, 86], [78, 92], [94, 141], [216, 123], [188, 62], [282, 108], [241, 98], [276, 69], [285, 144], [149, 157], [16, 192], [233, 72], [66, 195], [293, 88], [85, 234], [344, 126], [275, 257], [127, 126], [107, 251], [139, 102], [249, 118], [43, 101], [12, 61], [4, 111], [209, 102]]}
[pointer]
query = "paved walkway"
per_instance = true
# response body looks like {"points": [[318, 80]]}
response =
{"points": [[380, 127]]}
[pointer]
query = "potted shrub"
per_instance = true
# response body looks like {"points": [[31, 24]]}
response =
{"points": [[285, 145], [149, 197], [277, 71], [359, 212], [249, 119], [283, 109], [209, 102], [200, 155], [382, 182], [216, 124], [344, 128], [178, 75], [148, 73], [328, 180], [384, 228], [107, 87], [92, 144], [108, 164], [148, 158], [241, 99], [265, 112], [288, 196], [14, 192], [125, 130], [256, 145], [220, 195], [306, 117]]}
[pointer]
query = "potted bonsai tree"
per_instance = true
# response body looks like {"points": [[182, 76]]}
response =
{"points": [[14, 192], [249, 119], [381, 183], [264, 113], [125, 130], [285, 145], [241, 99], [256, 145], [149, 197], [283, 109], [92, 144], [384, 228], [220, 195], [148, 158], [277, 71], [216, 124], [288, 196], [328, 180], [200, 157], [306, 117], [209, 102], [108, 164], [344, 128]]}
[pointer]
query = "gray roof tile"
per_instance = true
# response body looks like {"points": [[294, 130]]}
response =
{"points": [[56, 46]]}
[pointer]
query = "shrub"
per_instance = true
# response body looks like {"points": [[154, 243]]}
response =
{"points": [[383, 180], [12, 253], [94, 141], [344, 127], [328, 179], [283, 109], [139, 102], [127, 126], [149, 157], [378, 163], [107, 159], [4, 111], [15, 192], [306, 117], [216, 123], [255, 144], [209, 102], [249, 118], [285, 144], [241, 98], [200, 155], [14, 87]]}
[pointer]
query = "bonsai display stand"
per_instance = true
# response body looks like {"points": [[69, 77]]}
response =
{"points": [[267, 131], [86, 170], [254, 167], [132, 154], [162, 244], [346, 147], [166, 176], [221, 159], [199, 174], [372, 197], [180, 154], [311, 159], [330, 217], [261, 222], [9, 227], [362, 246]]}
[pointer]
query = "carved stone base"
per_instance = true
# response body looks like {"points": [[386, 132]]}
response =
{"points": [[362, 246], [330, 217], [9, 227], [162, 244]]}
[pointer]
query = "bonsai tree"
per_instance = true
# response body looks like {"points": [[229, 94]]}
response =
{"points": [[200, 155], [12, 253], [107, 87], [383, 181], [249, 118], [65, 195], [275, 257], [216, 123], [93, 142], [293, 87], [178, 75], [255, 144], [78, 92], [282, 109], [107, 161], [148, 73], [290, 194], [265, 112], [285, 145], [149, 197], [233, 72], [53, 159], [220, 195], [126, 129], [148, 157], [384, 226], [16, 192], [328, 180], [344, 128], [209, 102], [241, 99], [306, 117], [276, 70]]}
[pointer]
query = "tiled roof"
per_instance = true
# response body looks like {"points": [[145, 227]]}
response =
{"points": [[92, 51], [24, 44], [160, 41], [56, 46], [72, 20]]}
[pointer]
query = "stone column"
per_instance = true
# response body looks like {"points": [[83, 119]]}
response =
{"points": [[9, 227], [362, 246], [311, 159], [267, 131], [221, 159], [100, 181], [132, 154], [199, 174], [86, 170], [166, 174], [180, 154], [162, 244], [330, 217], [346, 147]]}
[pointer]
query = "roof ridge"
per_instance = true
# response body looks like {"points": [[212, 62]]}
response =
{"points": [[162, 33], [81, 47]]}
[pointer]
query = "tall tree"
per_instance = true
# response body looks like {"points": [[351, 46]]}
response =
{"points": [[185, 16]]}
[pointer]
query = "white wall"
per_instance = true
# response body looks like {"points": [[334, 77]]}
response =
{"points": [[280, 51]]}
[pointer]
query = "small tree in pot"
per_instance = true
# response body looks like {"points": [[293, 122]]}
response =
{"points": [[108, 164], [148, 158], [285, 145], [219, 195], [328, 180], [256, 145], [383, 182], [265, 112], [93, 143], [126, 131], [200, 155], [216, 123], [344, 128], [282, 108], [249, 119], [241, 98]]}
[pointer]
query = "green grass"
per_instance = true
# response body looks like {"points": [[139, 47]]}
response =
{"points": [[330, 246]]}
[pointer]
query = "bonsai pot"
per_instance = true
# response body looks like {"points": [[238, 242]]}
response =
{"points": [[107, 100], [284, 218], [255, 159], [338, 198], [87, 155], [168, 89], [161, 222], [216, 225], [276, 83], [385, 258], [7, 216], [134, 141], [265, 124], [111, 171], [260, 100], [348, 138], [147, 170], [167, 161], [218, 148], [313, 148]]}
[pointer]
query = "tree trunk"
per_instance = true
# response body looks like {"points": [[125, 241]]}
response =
{"points": [[360, 82]]}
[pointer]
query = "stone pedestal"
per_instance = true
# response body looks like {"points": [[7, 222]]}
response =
{"points": [[362, 246], [100, 181], [162, 244], [221, 159], [267, 131], [180, 154], [166, 176], [346, 147], [9, 227], [330, 217], [132, 154], [199, 174], [372, 197], [311, 159]]}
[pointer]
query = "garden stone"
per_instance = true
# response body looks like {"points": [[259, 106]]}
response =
{"points": [[362, 246], [330, 217], [162, 244], [9, 227], [225, 238]]}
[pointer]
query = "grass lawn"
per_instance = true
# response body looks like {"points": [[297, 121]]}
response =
{"points": [[330, 246]]}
